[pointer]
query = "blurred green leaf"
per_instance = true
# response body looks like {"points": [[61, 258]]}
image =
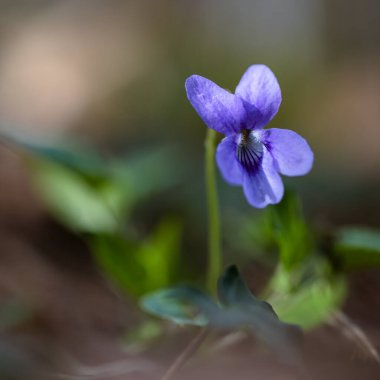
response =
{"points": [[139, 337], [79, 158], [282, 228], [160, 254], [304, 289], [140, 267], [76, 203], [358, 248], [91, 195], [179, 305], [232, 290], [118, 259], [290, 231], [240, 309], [243, 308], [310, 302], [146, 172]]}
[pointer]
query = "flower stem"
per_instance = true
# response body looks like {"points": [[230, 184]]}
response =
{"points": [[214, 246]]}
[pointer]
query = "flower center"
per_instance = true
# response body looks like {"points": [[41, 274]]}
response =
{"points": [[249, 150]]}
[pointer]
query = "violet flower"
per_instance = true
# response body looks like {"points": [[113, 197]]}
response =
{"points": [[250, 155]]}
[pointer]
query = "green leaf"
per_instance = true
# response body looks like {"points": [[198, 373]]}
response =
{"points": [[232, 290], [118, 259], [139, 267], [291, 232], [75, 202], [358, 247], [313, 304], [180, 305], [78, 157], [147, 172], [241, 310], [280, 228], [139, 337], [309, 302], [159, 254], [98, 193]]}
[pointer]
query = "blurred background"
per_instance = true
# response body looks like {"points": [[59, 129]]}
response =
{"points": [[112, 73], [99, 136]]}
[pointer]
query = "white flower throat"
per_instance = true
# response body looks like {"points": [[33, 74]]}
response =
{"points": [[249, 150]]}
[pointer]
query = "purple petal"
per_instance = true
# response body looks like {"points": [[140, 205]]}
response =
{"points": [[259, 86], [291, 152], [264, 186], [219, 109], [227, 162]]}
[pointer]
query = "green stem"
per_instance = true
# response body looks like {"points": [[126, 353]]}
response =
{"points": [[214, 246]]}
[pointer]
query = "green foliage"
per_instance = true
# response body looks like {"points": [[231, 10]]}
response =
{"points": [[80, 159], [308, 296], [282, 227], [142, 335], [141, 266], [80, 205], [145, 174], [239, 308], [180, 305], [90, 197], [91, 194], [95, 197], [290, 231], [304, 288], [232, 290], [358, 247]]}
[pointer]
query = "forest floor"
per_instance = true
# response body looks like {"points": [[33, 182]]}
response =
{"points": [[74, 324]]}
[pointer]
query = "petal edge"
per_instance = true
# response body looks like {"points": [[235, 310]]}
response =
{"points": [[218, 108], [227, 163], [259, 86], [291, 153]]}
